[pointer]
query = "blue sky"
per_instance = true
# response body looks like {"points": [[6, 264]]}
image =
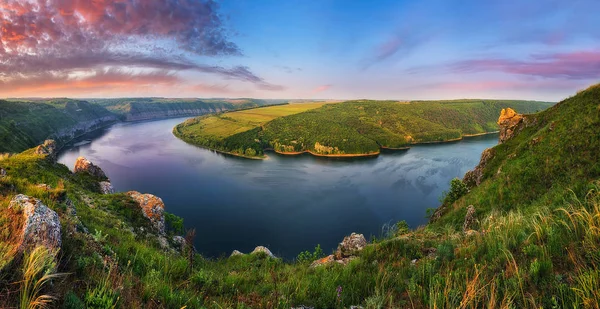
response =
{"points": [[431, 49]]}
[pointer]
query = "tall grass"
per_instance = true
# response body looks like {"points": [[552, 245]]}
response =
{"points": [[39, 269]]}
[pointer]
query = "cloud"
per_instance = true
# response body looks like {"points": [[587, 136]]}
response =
{"points": [[575, 65], [322, 88], [41, 39], [500, 85], [113, 79]]}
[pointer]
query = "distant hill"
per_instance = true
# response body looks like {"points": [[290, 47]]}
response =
{"points": [[363, 127]]}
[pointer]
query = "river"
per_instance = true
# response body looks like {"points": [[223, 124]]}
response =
{"points": [[286, 203]]}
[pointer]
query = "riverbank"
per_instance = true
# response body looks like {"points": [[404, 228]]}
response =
{"points": [[347, 155]]}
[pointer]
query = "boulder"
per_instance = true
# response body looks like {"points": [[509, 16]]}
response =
{"points": [[41, 227], [265, 250], [350, 246], [84, 165], [470, 219], [323, 261], [48, 149], [235, 252], [152, 207], [106, 187], [2, 172], [510, 124]]}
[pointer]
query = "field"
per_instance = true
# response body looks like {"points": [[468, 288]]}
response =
{"points": [[351, 128]]}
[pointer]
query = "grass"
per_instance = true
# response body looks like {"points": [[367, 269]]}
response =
{"points": [[39, 268], [537, 242]]}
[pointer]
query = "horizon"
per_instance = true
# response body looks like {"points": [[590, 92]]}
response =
{"points": [[327, 50]]}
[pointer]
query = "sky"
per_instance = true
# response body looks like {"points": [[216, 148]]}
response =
{"points": [[321, 49]]}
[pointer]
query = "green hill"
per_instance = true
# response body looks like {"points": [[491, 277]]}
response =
{"points": [[26, 124], [531, 239], [363, 127]]}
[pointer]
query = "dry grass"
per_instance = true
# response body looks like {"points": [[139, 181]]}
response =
{"points": [[39, 269]]}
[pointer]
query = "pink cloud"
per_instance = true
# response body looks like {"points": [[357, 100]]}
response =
{"points": [[322, 88], [575, 65]]}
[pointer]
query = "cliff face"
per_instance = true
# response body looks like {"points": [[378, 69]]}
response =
{"points": [[148, 114]]}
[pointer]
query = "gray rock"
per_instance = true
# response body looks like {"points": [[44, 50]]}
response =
{"points": [[470, 219], [41, 227], [264, 250], [179, 242], [350, 246], [106, 187], [235, 252], [2, 172]]}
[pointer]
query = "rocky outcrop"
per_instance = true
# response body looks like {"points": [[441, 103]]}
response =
{"points": [[265, 250], [346, 251], [470, 219], [152, 207], [350, 246], [235, 253], [510, 124], [106, 187], [42, 226], [473, 178], [83, 165], [48, 149]]}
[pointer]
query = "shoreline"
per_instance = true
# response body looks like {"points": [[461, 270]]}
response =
{"points": [[349, 155]]}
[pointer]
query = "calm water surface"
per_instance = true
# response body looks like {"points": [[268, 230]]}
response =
{"points": [[288, 204]]}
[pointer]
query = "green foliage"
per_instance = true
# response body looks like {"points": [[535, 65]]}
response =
{"points": [[102, 296], [174, 223], [457, 190], [72, 301], [309, 257]]}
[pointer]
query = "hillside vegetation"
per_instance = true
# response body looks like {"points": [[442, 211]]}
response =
{"points": [[359, 127], [26, 124], [233, 132], [531, 240]]}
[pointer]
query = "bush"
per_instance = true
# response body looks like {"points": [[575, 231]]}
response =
{"points": [[457, 189]]}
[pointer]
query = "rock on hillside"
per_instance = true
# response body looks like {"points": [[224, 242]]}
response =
{"points": [[152, 207], [83, 165], [510, 124], [346, 251], [42, 226], [473, 178], [48, 149]]}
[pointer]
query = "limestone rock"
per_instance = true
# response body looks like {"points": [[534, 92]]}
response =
{"points": [[179, 241], [473, 178], [324, 261], [235, 253], [48, 149], [41, 227], [2, 172], [106, 187], [84, 165], [264, 250], [510, 123], [153, 208], [470, 219], [350, 246]]}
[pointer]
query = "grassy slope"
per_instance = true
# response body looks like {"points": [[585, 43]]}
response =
{"points": [[26, 124], [538, 245], [223, 131], [354, 127]]}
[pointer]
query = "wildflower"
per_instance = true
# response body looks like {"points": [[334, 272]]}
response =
{"points": [[339, 293]]}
